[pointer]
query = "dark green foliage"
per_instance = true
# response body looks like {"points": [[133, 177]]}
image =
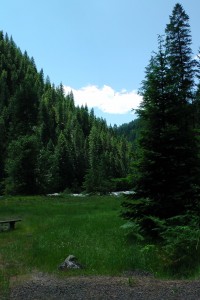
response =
{"points": [[130, 130], [45, 143], [65, 163], [2, 152], [122, 184], [109, 157], [21, 166], [23, 109], [179, 54], [181, 236], [47, 169], [166, 175]]}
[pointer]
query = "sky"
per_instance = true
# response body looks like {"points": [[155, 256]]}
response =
{"points": [[96, 48]]}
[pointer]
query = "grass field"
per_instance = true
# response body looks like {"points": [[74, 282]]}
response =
{"points": [[54, 227]]}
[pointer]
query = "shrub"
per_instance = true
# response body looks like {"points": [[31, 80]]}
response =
{"points": [[181, 244]]}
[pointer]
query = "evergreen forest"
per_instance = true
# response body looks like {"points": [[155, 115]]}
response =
{"points": [[48, 144]]}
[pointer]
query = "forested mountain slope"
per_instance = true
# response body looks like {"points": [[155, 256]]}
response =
{"points": [[130, 130], [48, 144]]}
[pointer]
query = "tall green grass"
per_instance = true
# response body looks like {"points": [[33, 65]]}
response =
{"points": [[54, 227]]}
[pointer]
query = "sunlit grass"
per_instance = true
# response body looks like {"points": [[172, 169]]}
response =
{"points": [[53, 228], [88, 228]]}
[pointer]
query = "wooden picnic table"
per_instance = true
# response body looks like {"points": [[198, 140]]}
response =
{"points": [[11, 223]]}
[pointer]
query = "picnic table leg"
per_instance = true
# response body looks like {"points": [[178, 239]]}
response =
{"points": [[12, 225]]}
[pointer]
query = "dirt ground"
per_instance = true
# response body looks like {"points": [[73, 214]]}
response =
{"points": [[42, 287]]}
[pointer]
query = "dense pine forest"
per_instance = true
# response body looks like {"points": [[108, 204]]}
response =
{"points": [[48, 144]]}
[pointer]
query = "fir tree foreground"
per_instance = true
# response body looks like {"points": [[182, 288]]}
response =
{"points": [[166, 203]]}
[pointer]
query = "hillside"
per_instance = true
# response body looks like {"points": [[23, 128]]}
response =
{"points": [[47, 143], [130, 130]]}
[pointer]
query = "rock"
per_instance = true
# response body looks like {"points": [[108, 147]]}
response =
{"points": [[70, 263]]}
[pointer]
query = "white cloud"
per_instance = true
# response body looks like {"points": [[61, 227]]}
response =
{"points": [[106, 99]]}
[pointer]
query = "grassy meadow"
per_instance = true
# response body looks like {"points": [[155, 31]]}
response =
{"points": [[54, 227]]}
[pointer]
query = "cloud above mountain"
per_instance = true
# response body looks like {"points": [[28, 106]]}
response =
{"points": [[106, 98]]}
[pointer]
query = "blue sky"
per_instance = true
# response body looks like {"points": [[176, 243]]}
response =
{"points": [[97, 48]]}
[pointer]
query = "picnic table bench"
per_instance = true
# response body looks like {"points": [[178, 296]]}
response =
{"points": [[11, 223]]}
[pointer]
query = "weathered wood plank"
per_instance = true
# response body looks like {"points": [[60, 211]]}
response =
{"points": [[11, 223]]}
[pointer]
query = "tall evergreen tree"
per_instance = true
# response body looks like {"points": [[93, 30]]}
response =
{"points": [[47, 169], [64, 163], [166, 178], [21, 166], [2, 152], [179, 53]]}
